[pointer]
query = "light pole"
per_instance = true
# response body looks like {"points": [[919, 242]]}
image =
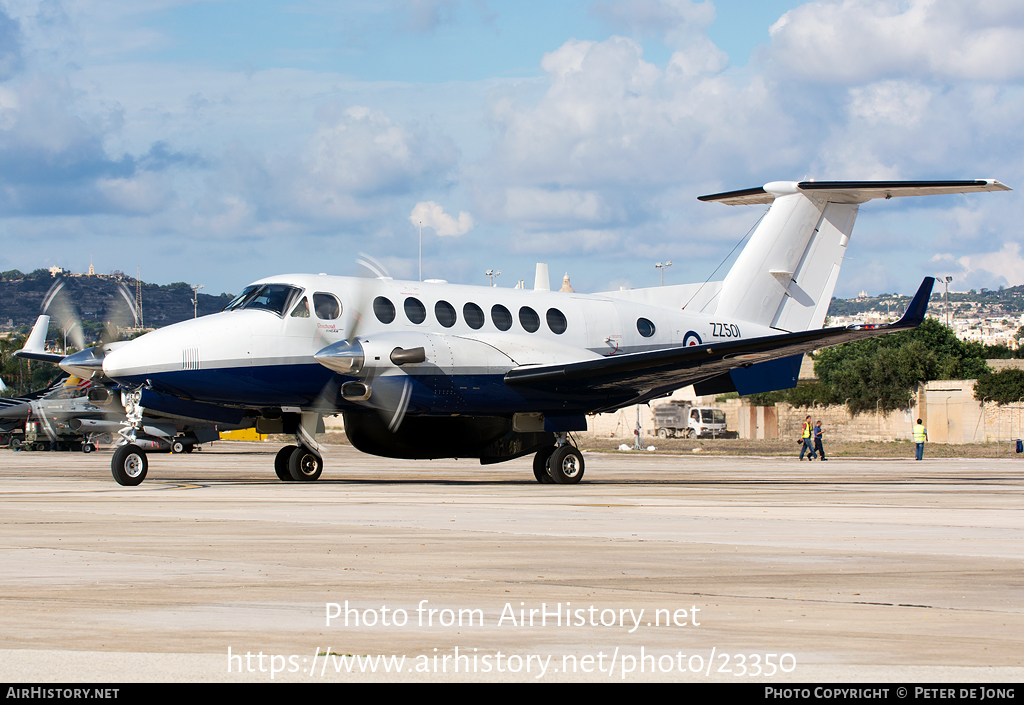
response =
{"points": [[663, 267], [491, 274], [195, 299], [945, 282]]}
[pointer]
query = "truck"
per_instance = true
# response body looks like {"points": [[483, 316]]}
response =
{"points": [[684, 420]]}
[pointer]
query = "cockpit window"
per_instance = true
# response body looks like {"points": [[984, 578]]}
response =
{"points": [[301, 309], [238, 300], [271, 297], [327, 307]]}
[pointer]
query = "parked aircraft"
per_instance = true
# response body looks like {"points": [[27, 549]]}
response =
{"points": [[27, 413], [434, 370], [75, 414]]}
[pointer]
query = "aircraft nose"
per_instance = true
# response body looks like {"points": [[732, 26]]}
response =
{"points": [[120, 362], [15, 411]]}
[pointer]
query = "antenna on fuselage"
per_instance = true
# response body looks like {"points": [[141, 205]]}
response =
{"points": [[542, 282]]}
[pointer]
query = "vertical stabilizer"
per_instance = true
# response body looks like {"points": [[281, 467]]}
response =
{"points": [[791, 263], [785, 276]]}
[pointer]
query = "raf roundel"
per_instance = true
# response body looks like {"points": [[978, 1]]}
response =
{"points": [[691, 338]]}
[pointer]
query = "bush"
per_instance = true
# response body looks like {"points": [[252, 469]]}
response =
{"points": [[1005, 387]]}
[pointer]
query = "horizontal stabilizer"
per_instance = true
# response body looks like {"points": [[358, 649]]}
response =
{"points": [[852, 191]]}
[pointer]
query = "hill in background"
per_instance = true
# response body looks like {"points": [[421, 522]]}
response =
{"points": [[21, 298]]}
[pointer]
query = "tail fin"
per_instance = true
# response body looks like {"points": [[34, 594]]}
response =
{"points": [[33, 349], [785, 276]]}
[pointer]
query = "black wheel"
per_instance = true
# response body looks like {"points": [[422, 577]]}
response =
{"points": [[129, 465], [88, 447], [177, 447], [305, 465], [566, 465], [662, 433], [540, 465], [189, 448], [281, 463]]}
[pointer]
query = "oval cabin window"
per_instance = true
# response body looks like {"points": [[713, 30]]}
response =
{"points": [[383, 309], [501, 317]]}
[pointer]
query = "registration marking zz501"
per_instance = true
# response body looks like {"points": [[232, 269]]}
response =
{"points": [[725, 330]]}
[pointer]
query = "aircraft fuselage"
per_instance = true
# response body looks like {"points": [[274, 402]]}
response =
{"points": [[261, 355]]}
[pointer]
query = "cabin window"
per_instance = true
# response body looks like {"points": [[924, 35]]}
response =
{"points": [[383, 309], [645, 327], [415, 311], [556, 321], [473, 315], [529, 319], [326, 306], [301, 309], [444, 312], [501, 318]]}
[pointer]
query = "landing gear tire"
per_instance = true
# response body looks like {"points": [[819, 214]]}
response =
{"points": [[566, 465], [305, 465], [88, 447], [177, 447], [129, 465], [540, 465], [281, 463]]}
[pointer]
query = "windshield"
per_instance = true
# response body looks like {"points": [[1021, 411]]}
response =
{"points": [[266, 297], [237, 301], [716, 416]]}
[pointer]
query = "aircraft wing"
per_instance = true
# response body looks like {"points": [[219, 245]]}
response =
{"points": [[649, 374]]}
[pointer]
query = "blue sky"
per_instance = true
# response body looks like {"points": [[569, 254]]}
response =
{"points": [[220, 142]]}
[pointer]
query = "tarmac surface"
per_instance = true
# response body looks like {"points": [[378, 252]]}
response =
{"points": [[654, 568]]}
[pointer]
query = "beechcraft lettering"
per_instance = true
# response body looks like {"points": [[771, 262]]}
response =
{"points": [[438, 370]]}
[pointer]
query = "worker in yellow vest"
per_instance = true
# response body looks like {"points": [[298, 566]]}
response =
{"points": [[920, 436], [808, 441]]}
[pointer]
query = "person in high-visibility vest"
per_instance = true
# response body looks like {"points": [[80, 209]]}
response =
{"points": [[808, 444], [920, 436]]}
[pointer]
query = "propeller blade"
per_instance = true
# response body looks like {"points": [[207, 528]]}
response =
{"points": [[371, 269], [390, 396], [120, 313], [58, 305]]}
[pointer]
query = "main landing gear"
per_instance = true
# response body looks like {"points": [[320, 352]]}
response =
{"points": [[298, 463], [561, 464]]}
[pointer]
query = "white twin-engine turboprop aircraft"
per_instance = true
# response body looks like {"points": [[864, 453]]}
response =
{"points": [[435, 370]]}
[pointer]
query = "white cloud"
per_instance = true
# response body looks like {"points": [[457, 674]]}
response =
{"points": [[1005, 265], [432, 215], [889, 102], [862, 40]]}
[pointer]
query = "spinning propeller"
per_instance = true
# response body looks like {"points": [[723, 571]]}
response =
{"points": [[118, 314], [377, 385]]}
